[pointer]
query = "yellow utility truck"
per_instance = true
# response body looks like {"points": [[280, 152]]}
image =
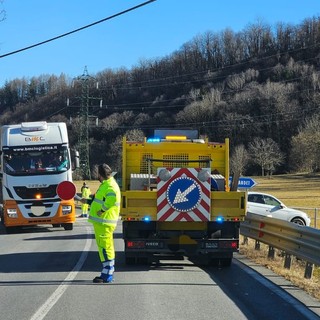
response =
{"points": [[176, 199]]}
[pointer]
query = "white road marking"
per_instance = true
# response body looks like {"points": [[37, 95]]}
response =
{"points": [[56, 295]]}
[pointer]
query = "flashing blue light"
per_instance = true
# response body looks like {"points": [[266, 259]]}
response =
{"points": [[146, 219], [153, 140], [220, 219]]}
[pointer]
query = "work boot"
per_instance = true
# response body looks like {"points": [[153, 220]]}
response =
{"points": [[100, 280]]}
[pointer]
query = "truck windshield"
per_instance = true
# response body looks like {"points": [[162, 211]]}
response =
{"points": [[42, 160]]}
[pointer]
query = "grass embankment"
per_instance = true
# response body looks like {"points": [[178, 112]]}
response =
{"points": [[295, 190]]}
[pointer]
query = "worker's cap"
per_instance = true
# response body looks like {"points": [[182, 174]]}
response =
{"points": [[104, 170]]}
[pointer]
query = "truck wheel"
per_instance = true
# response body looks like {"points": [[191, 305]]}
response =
{"points": [[130, 260], [11, 230], [220, 262], [68, 226], [225, 262], [143, 260], [214, 262]]}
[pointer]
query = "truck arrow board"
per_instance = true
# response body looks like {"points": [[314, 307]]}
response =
{"points": [[184, 200], [182, 196]]}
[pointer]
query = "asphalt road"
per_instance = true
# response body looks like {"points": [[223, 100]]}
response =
{"points": [[47, 273]]}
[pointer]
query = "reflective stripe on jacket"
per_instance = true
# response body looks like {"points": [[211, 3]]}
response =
{"points": [[107, 200]]}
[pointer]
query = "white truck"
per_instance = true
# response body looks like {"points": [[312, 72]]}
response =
{"points": [[35, 159]]}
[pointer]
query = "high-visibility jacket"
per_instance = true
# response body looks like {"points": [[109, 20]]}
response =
{"points": [[107, 201], [86, 192]]}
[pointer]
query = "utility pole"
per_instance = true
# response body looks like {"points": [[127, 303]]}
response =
{"points": [[83, 142]]}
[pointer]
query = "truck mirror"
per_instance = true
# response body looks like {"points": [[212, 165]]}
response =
{"points": [[75, 159]]}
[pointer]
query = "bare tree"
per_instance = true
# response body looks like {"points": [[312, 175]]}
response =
{"points": [[306, 142], [135, 135], [239, 160], [266, 153]]}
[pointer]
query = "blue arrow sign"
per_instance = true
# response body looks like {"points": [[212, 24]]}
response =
{"points": [[184, 194], [244, 182]]}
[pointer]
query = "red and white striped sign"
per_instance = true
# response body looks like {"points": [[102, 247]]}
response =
{"points": [[183, 197]]}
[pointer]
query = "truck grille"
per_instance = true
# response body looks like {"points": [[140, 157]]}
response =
{"points": [[30, 193]]}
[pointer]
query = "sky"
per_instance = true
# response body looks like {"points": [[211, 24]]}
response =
{"points": [[152, 31]]}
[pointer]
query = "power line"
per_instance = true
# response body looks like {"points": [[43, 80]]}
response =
{"points": [[76, 30]]}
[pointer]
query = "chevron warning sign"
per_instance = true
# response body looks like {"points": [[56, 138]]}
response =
{"points": [[183, 196]]}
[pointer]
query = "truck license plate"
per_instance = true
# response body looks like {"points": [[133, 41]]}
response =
{"points": [[211, 245]]}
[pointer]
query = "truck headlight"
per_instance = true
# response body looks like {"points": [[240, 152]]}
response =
{"points": [[66, 209], [12, 213]]}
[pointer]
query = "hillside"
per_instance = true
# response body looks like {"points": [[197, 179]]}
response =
{"points": [[262, 82]]}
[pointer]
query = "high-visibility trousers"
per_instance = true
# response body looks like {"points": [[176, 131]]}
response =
{"points": [[84, 208], [104, 239]]}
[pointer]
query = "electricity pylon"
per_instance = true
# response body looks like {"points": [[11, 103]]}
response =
{"points": [[83, 141]]}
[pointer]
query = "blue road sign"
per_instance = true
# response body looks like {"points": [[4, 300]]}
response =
{"points": [[244, 182], [184, 194]]}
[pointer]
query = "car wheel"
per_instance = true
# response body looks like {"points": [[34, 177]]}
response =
{"points": [[299, 221]]}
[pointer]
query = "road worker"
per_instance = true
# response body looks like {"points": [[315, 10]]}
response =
{"points": [[85, 194], [104, 213]]}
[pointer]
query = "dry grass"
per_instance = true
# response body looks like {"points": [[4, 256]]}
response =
{"points": [[295, 274], [292, 187], [295, 190]]}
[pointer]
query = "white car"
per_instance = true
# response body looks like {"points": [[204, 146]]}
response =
{"points": [[267, 205]]}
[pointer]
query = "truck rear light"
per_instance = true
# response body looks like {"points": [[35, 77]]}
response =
{"points": [[145, 219], [148, 244], [220, 244], [234, 244], [229, 244], [135, 244]]}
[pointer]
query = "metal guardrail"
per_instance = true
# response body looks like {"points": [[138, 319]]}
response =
{"points": [[299, 241]]}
